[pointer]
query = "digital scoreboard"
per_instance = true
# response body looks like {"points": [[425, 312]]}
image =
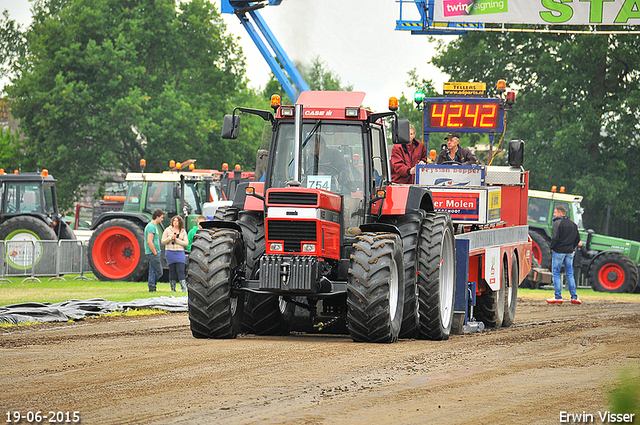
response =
{"points": [[463, 115]]}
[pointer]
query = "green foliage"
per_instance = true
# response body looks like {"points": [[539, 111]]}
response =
{"points": [[108, 82], [624, 398], [318, 77], [11, 157], [577, 109]]}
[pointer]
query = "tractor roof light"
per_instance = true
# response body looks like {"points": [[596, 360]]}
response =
{"points": [[172, 164], [561, 189], [178, 165], [511, 98], [393, 104], [225, 166], [418, 97], [501, 86], [1, 170], [16, 172], [287, 111], [192, 167], [351, 112], [554, 189], [44, 173], [238, 167], [143, 163], [275, 101]]}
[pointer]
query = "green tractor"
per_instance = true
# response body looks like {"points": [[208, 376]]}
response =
{"points": [[607, 263]]}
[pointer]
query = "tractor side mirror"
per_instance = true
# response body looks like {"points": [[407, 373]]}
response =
{"points": [[177, 191], [516, 153], [230, 126], [401, 132]]}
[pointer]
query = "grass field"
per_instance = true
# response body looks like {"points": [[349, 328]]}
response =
{"points": [[58, 291]]}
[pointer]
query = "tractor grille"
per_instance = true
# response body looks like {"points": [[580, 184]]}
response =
{"points": [[292, 232], [293, 198]]}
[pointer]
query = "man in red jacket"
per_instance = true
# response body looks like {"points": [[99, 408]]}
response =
{"points": [[405, 157]]}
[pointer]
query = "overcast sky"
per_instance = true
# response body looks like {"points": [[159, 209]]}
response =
{"points": [[356, 39]]}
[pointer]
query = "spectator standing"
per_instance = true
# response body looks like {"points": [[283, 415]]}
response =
{"points": [[152, 248], [405, 157], [564, 240], [194, 230], [175, 240]]}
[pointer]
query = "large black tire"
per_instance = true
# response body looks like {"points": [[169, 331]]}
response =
{"points": [[490, 305], [226, 213], [409, 226], [375, 288], [541, 250], [28, 228], [511, 295], [264, 314], [436, 276], [214, 311], [116, 251], [613, 272]]}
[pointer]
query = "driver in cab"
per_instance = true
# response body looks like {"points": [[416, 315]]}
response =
{"points": [[327, 160], [454, 154]]}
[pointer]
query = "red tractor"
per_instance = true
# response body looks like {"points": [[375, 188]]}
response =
{"points": [[326, 243]]}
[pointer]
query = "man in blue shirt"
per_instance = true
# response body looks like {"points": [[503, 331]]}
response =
{"points": [[152, 248]]}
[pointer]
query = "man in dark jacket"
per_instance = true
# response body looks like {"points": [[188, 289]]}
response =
{"points": [[564, 240], [405, 157], [453, 152]]}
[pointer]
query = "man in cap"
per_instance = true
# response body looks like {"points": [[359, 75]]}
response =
{"points": [[455, 153]]}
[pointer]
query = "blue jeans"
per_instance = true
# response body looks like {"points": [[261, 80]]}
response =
{"points": [[155, 270], [556, 264]]}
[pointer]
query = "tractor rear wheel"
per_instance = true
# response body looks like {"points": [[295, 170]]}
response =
{"points": [[613, 272], [511, 294], [436, 276], [226, 213], [541, 250], [214, 310], [375, 288], [116, 251], [409, 226], [24, 231]]}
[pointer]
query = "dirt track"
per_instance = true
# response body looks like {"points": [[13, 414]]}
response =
{"points": [[151, 370]]}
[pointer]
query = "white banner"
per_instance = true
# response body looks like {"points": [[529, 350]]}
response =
{"points": [[539, 12]]}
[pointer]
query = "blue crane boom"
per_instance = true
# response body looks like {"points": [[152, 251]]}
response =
{"points": [[282, 67]]}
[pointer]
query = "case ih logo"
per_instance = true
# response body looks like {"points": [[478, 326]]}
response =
{"points": [[317, 113]]}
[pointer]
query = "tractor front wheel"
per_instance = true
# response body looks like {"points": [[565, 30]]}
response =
{"points": [[117, 251], [613, 272], [214, 310]]}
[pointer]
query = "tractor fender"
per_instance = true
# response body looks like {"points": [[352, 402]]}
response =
{"points": [[380, 227], [219, 224], [403, 199], [139, 218]]}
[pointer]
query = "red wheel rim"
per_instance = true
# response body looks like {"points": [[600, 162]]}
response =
{"points": [[611, 276], [115, 253], [536, 251]]}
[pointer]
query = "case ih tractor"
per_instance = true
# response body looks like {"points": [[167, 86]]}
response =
{"points": [[327, 243], [607, 263], [117, 244]]}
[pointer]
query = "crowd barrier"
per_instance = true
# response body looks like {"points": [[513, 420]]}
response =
{"points": [[33, 259]]}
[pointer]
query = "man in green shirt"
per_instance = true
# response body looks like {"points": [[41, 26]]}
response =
{"points": [[195, 229], [152, 248]]}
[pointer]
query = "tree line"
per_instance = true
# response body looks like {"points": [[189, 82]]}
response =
{"points": [[100, 84]]}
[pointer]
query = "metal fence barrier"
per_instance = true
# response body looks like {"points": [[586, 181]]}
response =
{"points": [[33, 259]]}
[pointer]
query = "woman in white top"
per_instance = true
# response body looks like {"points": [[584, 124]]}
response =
{"points": [[175, 240]]}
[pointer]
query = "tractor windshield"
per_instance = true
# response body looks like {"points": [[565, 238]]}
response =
{"points": [[27, 197], [329, 157]]}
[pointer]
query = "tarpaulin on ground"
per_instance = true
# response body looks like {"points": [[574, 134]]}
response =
{"points": [[79, 309]]}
